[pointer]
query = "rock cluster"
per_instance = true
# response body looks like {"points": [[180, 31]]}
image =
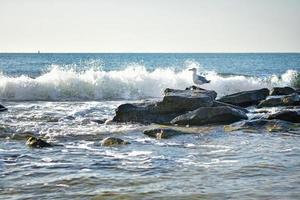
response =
{"points": [[179, 104], [198, 107]]}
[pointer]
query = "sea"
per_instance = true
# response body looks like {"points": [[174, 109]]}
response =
{"points": [[63, 97]]}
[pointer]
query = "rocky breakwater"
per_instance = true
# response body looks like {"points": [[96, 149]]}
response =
{"points": [[198, 107], [173, 104], [192, 106]]}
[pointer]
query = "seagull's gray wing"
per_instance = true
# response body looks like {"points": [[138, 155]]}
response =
{"points": [[202, 79]]}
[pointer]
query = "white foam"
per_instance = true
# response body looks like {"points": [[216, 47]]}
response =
{"points": [[133, 82]]}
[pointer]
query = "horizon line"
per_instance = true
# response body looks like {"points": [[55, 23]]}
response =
{"points": [[149, 52]]}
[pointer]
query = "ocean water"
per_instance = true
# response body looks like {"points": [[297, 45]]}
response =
{"points": [[59, 97]]}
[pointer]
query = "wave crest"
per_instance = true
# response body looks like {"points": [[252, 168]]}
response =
{"points": [[134, 82]]}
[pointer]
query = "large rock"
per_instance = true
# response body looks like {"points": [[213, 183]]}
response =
{"points": [[288, 100], [144, 113], [2, 108], [210, 115], [174, 103], [246, 98], [185, 100], [287, 115], [259, 125], [281, 91], [162, 133]]}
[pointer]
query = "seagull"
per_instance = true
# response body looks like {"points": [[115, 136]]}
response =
{"points": [[198, 80]]}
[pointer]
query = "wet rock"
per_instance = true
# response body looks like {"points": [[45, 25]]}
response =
{"points": [[218, 103], [210, 115], [98, 121], [246, 98], [112, 141], [291, 100], [212, 93], [2, 108], [281, 91], [163, 133], [270, 102], [185, 100], [288, 100], [144, 113], [259, 125], [53, 119], [37, 143], [287, 115], [174, 103], [69, 117]]}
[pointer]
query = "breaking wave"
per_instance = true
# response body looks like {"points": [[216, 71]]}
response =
{"points": [[133, 82]]}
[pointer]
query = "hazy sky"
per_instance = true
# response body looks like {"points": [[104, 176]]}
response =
{"points": [[150, 25]]}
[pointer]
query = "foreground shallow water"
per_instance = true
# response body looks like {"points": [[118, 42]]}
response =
{"points": [[209, 164]]}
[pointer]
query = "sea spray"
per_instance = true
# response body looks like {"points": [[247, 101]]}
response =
{"points": [[133, 82]]}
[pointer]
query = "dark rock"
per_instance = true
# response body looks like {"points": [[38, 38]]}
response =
{"points": [[2, 108], [287, 115], [145, 113], [210, 115], [163, 133], [259, 125], [246, 98], [37, 143], [69, 117], [98, 121], [281, 91], [289, 100], [218, 103], [185, 100], [193, 87], [112, 141], [270, 102], [174, 103]]}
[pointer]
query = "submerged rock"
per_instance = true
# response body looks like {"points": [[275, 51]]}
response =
{"points": [[210, 115], [174, 103], [112, 141], [257, 125], [163, 133], [288, 100], [281, 91], [99, 121], [246, 98], [2, 108], [37, 143], [287, 115]]}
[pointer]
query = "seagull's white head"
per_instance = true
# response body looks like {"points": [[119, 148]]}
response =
{"points": [[193, 69]]}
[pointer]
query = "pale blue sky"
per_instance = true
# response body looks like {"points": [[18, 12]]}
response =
{"points": [[150, 25]]}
